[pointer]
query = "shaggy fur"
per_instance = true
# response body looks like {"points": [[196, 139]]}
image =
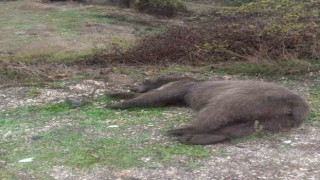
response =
{"points": [[226, 109]]}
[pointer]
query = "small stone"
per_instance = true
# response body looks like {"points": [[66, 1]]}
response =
{"points": [[30, 100], [26, 160], [7, 134], [287, 141], [34, 138], [145, 159], [74, 102], [113, 126], [171, 171], [20, 33]]}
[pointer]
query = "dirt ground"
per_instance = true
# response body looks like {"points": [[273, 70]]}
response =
{"points": [[289, 155]]}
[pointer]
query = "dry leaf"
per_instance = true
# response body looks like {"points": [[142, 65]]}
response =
{"points": [[59, 76], [123, 173], [151, 72], [226, 77], [37, 105]]}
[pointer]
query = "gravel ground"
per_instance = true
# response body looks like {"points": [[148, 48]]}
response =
{"points": [[293, 155]]}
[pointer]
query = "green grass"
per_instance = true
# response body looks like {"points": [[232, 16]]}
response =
{"points": [[34, 92], [52, 57], [82, 138], [64, 21], [314, 98], [36, 31]]}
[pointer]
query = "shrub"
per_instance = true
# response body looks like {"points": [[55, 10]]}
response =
{"points": [[177, 45], [121, 3], [160, 7], [267, 30]]}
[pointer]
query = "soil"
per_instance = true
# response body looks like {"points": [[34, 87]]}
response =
{"points": [[289, 155]]}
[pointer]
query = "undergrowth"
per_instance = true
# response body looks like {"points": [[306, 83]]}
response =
{"points": [[167, 8], [260, 32], [314, 117]]}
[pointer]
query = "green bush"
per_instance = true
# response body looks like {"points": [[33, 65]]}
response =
{"points": [[160, 7]]}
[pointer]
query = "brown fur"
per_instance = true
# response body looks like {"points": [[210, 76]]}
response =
{"points": [[227, 109]]}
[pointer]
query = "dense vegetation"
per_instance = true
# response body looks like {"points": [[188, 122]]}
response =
{"points": [[160, 7], [267, 30]]}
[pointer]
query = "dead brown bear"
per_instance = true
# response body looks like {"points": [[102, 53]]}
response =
{"points": [[226, 109]]}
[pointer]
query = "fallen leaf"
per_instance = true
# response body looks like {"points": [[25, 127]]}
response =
{"points": [[59, 76], [226, 77], [151, 72], [37, 105], [123, 173]]}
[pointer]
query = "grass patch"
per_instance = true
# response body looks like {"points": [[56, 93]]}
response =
{"points": [[258, 136], [34, 92], [36, 31], [57, 56], [30, 117], [85, 137], [160, 7], [40, 83], [314, 98], [64, 21]]}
